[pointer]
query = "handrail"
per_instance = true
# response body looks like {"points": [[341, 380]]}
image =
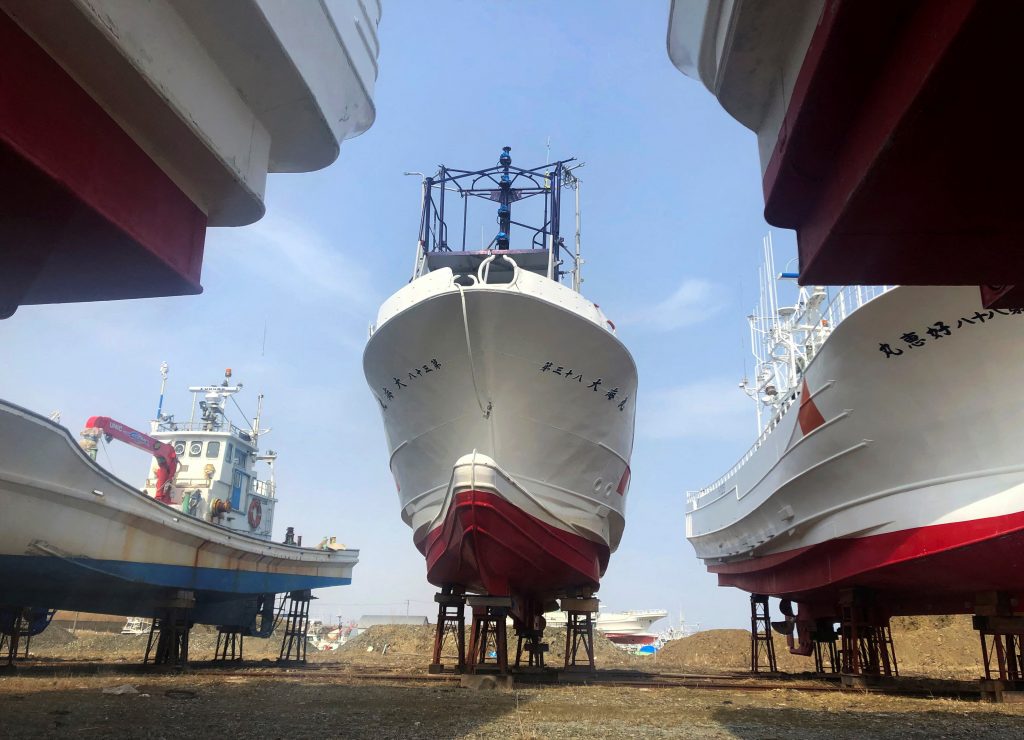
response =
{"points": [[844, 303]]}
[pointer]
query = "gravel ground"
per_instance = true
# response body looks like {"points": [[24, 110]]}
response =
{"points": [[50, 700], [236, 706]]}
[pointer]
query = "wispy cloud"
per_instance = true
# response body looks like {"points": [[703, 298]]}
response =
{"points": [[694, 301], [286, 254], [706, 409]]}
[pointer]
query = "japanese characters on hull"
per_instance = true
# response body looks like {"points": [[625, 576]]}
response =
{"points": [[414, 376], [573, 376], [940, 329]]}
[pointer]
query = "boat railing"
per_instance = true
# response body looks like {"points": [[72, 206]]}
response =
{"points": [[202, 426], [848, 299], [264, 488], [842, 303], [693, 496]]}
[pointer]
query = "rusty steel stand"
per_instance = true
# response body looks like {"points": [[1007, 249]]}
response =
{"points": [[579, 632], [451, 621], [867, 646], [761, 635], [296, 626], [824, 639], [530, 643], [1002, 643], [489, 631], [10, 642], [171, 629], [230, 641]]}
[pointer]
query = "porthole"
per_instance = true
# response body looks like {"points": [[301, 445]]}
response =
{"points": [[195, 449], [179, 448]]}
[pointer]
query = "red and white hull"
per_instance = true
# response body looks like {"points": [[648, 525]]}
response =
{"points": [[508, 410], [897, 467]]}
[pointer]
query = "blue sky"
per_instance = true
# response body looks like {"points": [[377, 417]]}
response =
{"points": [[672, 228]]}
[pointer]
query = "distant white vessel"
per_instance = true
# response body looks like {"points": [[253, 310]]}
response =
{"points": [[629, 627]]}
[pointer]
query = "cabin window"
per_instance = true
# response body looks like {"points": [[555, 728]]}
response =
{"points": [[195, 449], [240, 456], [179, 448], [230, 452], [213, 448]]}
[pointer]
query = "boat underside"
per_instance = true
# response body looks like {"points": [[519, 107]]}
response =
{"points": [[489, 545], [939, 569]]}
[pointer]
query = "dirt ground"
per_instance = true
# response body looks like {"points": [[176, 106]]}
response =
{"points": [[336, 696], [245, 704]]}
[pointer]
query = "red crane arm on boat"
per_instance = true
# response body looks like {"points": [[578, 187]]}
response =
{"points": [[166, 457]]}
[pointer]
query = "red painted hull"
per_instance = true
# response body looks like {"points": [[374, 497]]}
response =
{"points": [[488, 545], [86, 213], [937, 569]]}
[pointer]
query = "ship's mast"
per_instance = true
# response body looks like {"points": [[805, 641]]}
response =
{"points": [[534, 247]]}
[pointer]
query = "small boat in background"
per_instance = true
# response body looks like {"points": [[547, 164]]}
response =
{"points": [[75, 537]]}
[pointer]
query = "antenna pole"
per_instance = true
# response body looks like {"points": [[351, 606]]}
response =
{"points": [[163, 385], [577, 277], [256, 421]]}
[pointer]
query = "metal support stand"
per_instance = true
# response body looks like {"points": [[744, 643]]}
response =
{"points": [[229, 644], [1002, 648], [11, 640], [824, 639], [489, 631], [761, 635], [530, 642], [579, 632], [296, 626], [867, 646], [171, 630], [451, 621]]}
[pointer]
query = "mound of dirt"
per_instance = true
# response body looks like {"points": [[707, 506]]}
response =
{"points": [[723, 650], [53, 637], [941, 647], [937, 647], [414, 644]]}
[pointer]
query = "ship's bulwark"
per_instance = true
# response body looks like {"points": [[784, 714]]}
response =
{"points": [[514, 483], [913, 484]]}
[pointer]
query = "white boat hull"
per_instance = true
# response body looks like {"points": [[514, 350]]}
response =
{"points": [[898, 467], [74, 537], [512, 471]]}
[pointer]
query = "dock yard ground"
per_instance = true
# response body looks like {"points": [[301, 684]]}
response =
{"points": [[89, 684]]}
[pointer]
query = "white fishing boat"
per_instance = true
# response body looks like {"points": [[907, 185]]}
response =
{"points": [[887, 458], [628, 628], [507, 399], [73, 536]]}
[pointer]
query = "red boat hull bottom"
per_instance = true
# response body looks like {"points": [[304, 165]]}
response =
{"points": [[489, 545], [938, 569]]}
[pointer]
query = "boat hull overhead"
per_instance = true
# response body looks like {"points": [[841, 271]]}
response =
{"points": [[508, 410]]}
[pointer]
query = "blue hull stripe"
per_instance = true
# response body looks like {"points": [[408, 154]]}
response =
{"points": [[22, 569]]}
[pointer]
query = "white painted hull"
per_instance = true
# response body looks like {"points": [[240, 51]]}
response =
{"points": [[65, 517], [919, 442], [512, 422], [619, 623]]}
